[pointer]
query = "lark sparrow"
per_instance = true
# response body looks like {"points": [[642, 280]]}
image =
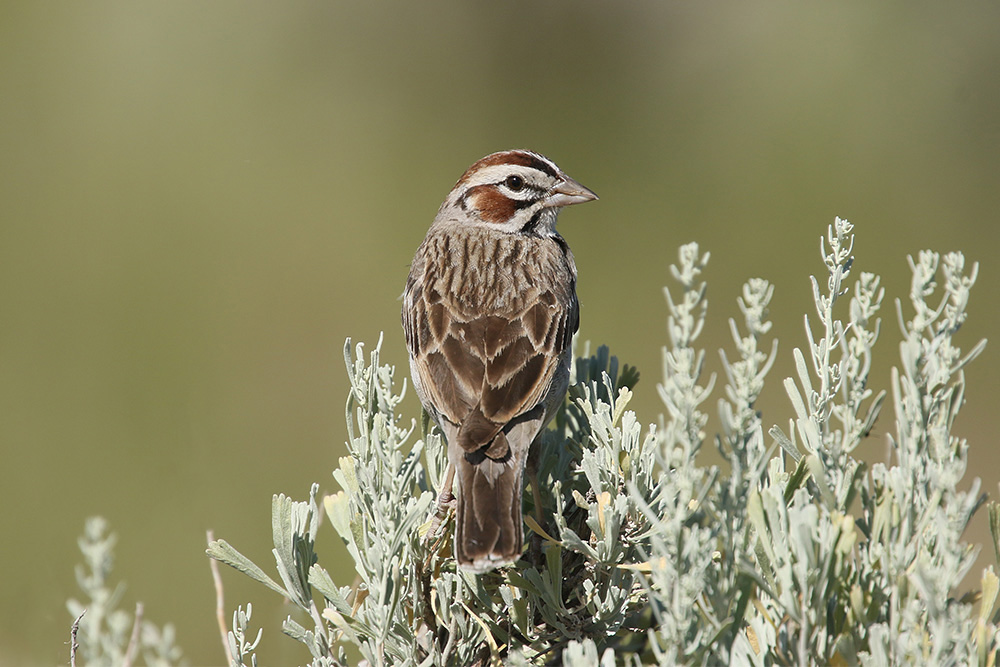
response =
{"points": [[489, 313]]}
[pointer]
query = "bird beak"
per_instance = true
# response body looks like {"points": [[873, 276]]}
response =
{"points": [[568, 192]]}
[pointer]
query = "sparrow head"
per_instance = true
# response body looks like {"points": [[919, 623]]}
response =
{"points": [[518, 191]]}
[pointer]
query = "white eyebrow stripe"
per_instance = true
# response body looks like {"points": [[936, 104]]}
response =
{"points": [[497, 173]]}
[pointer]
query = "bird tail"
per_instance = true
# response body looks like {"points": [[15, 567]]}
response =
{"points": [[489, 525]]}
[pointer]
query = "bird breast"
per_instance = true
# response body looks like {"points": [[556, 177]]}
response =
{"points": [[485, 272]]}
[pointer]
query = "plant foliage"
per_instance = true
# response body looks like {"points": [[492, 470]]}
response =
{"points": [[794, 552], [103, 634]]}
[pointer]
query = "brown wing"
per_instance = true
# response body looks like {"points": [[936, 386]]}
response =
{"points": [[479, 373]]}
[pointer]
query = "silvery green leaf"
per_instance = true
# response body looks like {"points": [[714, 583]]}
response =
{"points": [[796, 399], [785, 442], [320, 579], [223, 552]]}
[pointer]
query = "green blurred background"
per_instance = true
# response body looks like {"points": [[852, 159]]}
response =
{"points": [[200, 201]]}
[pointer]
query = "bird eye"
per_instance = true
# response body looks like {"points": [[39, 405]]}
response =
{"points": [[515, 183]]}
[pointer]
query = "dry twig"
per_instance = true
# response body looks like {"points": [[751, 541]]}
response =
{"points": [[133, 642], [73, 646], [220, 604]]}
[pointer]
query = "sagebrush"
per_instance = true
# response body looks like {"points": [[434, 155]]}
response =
{"points": [[793, 552]]}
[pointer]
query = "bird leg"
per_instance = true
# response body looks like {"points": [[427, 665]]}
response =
{"points": [[536, 495], [531, 470], [445, 502]]}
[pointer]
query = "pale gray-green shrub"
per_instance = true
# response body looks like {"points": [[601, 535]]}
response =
{"points": [[794, 552], [107, 636]]}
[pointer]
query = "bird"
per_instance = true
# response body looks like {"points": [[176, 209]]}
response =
{"points": [[489, 313]]}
